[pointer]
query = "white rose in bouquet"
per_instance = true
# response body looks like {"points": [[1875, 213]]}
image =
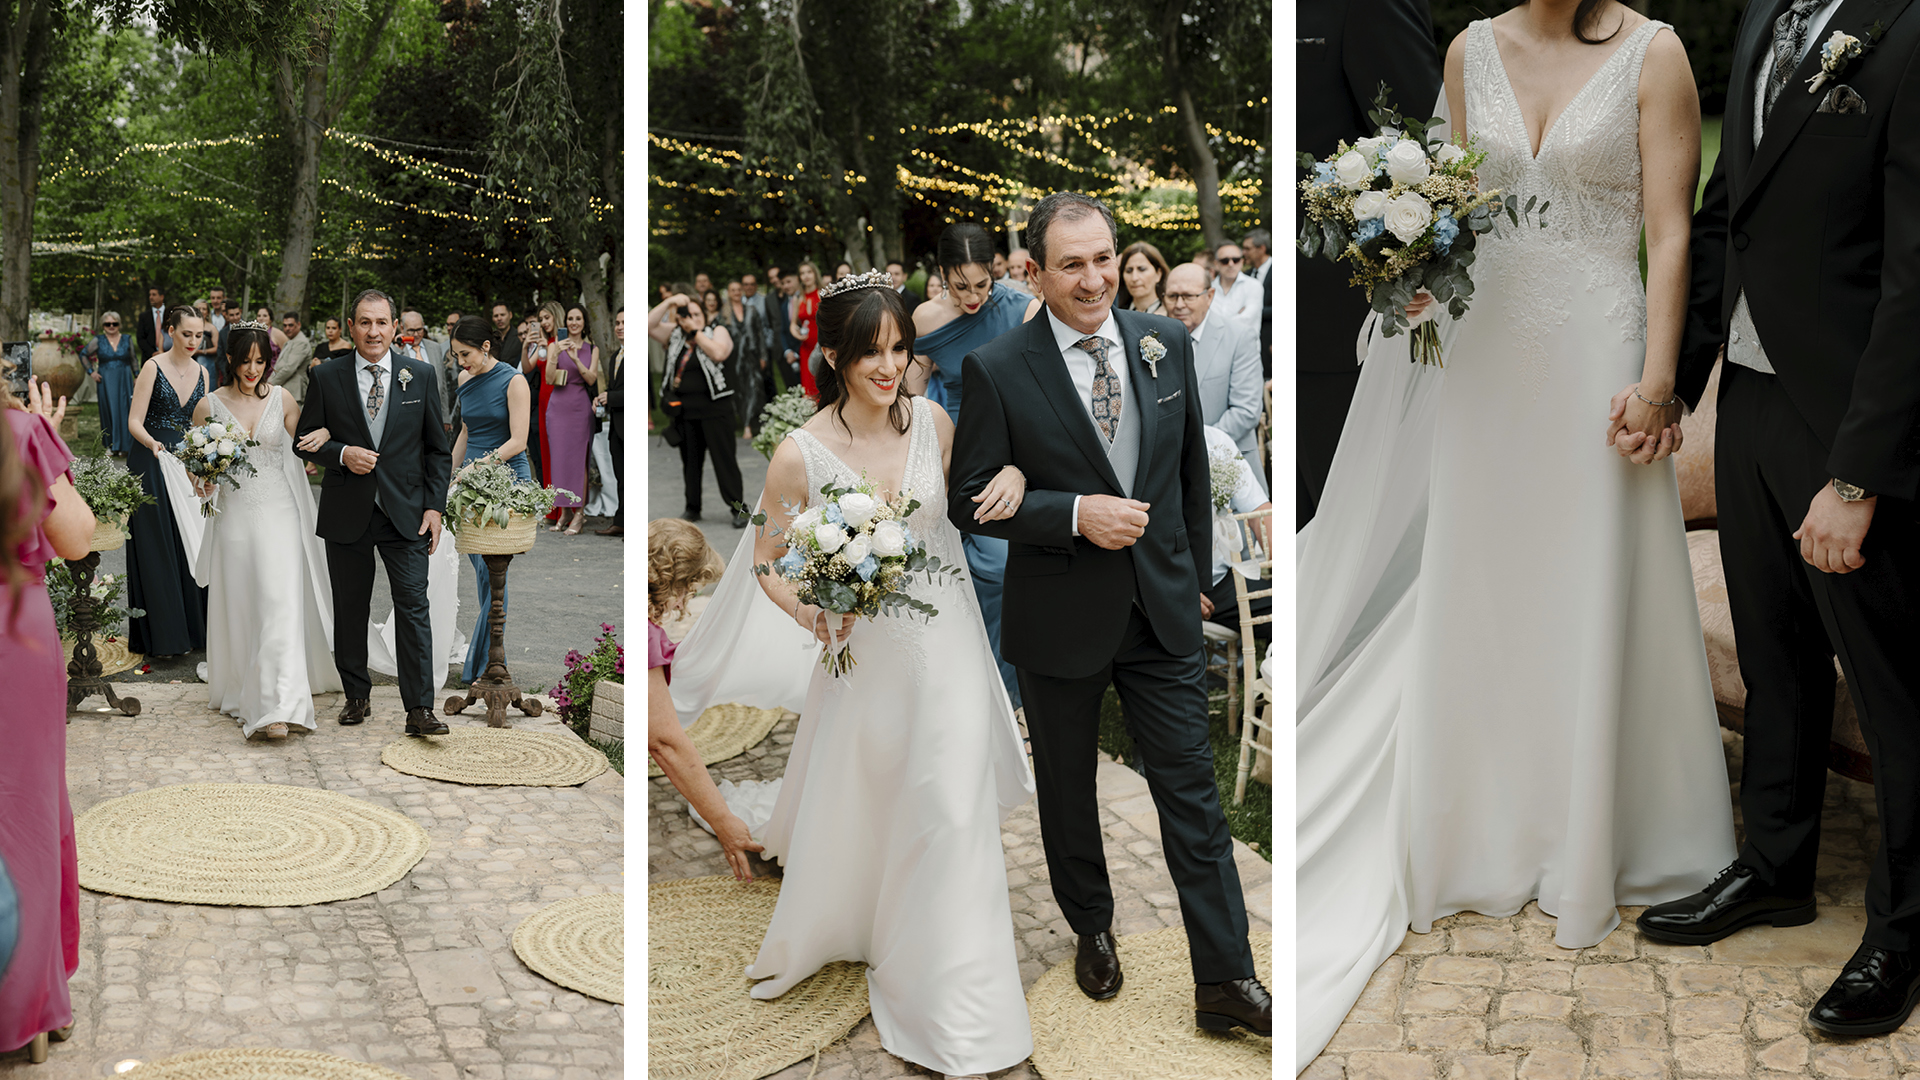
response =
{"points": [[806, 521], [196, 438], [1408, 216], [226, 447], [889, 539], [829, 537], [1372, 145], [857, 549], [1407, 163], [857, 507], [211, 452], [1369, 205], [1449, 154], [216, 429], [1352, 170]]}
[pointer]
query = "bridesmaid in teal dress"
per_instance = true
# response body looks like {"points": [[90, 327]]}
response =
{"points": [[495, 404], [973, 310]]}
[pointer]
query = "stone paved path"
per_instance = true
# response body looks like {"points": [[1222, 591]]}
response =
{"points": [[1143, 890], [1482, 998], [420, 978]]}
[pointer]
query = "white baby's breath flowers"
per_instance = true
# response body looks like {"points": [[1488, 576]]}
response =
{"points": [[1369, 205], [1407, 163], [1408, 216]]}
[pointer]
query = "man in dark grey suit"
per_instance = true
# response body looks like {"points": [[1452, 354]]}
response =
{"points": [[1226, 360]]}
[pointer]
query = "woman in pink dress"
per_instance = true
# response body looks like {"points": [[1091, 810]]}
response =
{"points": [[41, 516], [572, 379]]}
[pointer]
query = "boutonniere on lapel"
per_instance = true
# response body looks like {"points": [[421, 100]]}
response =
{"points": [[1152, 351], [405, 376], [1839, 51]]}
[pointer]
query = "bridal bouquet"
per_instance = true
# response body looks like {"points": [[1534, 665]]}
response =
{"points": [[851, 553], [1403, 209], [213, 452]]}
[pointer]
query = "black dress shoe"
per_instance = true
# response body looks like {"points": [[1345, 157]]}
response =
{"points": [[355, 711], [689, 514], [1873, 995], [423, 722], [1096, 967], [1736, 899], [740, 520], [1242, 1003]]}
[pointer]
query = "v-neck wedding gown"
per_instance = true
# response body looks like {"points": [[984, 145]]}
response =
{"points": [[1503, 692], [888, 819]]}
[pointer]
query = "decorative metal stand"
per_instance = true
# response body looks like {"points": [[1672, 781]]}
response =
{"points": [[495, 685], [83, 672]]}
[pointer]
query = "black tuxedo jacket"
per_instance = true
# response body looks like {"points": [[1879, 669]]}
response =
{"points": [[1820, 224], [416, 458], [147, 332], [1347, 48], [617, 382], [1066, 600]]}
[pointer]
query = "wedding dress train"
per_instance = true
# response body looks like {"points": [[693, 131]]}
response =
{"points": [[1502, 687]]}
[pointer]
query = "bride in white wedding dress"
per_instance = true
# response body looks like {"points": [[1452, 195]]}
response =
{"points": [[888, 818], [1503, 692], [269, 605]]}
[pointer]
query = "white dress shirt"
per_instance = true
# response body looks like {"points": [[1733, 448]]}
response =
{"points": [[164, 339], [1259, 273], [1080, 370], [1241, 302], [1743, 339]]}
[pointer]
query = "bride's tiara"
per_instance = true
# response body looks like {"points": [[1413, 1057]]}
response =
{"points": [[872, 279], [249, 324]]}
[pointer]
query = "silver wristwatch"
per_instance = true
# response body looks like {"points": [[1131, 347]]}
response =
{"points": [[1849, 492]]}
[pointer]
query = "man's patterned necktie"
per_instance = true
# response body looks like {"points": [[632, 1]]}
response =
{"points": [[374, 395], [1106, 387], [1789, 38]]}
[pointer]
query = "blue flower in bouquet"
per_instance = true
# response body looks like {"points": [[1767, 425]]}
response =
{"points": [[1323, 174], [833, 514], [1369, 230], [1445, 232], [867, 567], [790, 563]]}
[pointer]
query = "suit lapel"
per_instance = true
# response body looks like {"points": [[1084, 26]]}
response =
{"points": [[1795, 104], [1145, 390], [1050, 371]]}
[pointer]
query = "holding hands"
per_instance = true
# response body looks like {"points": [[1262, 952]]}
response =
{"points": [[1645, 431]]}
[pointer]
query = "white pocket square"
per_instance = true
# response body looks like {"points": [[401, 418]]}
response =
{"points": [[1168, 398]]}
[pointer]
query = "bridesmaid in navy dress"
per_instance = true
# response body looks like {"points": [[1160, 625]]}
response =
{"points": [[495, 405], [159, 577]]}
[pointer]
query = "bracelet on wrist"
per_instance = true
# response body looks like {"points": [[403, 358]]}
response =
{"points": [[1674, 400]]}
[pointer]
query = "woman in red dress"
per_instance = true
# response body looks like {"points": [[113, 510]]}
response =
{"points": [[41, 516], [806, 325]]}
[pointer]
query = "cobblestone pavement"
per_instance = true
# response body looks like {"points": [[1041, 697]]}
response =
{"points": [[1482, 998], [1143, 889], [420, 977]]}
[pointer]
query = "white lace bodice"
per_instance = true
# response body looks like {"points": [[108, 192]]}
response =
{"points": [[266, 488], [924, 479], [1588, 170]]}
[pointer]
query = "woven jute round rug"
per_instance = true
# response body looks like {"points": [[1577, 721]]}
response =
{"points": [[244, 845], [1146, 1033], [579, 943], [259, 1064], [113, 653], [726, 731], [701, 935], [497, 756]]}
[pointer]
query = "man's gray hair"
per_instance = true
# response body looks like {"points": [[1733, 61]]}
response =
{"points": [[1257, 238], [1067, 206], [393, 309]]}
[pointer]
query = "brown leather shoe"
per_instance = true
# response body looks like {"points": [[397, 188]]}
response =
{"points": [[356, 711], [1241, 1003], [423, 722], [611, 530], [1096, 967]]}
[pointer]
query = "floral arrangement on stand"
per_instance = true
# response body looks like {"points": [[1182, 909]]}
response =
{"points": [[573, 694], [108, 488], [780, 416], [851, 553], [485, 492], [1404, 210]]}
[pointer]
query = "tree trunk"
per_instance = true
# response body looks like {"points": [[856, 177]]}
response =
{"points": [[24, 45], [300, 95], [593, 297], [1206, 170]]}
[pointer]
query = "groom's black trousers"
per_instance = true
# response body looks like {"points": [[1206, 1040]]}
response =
{"points": [[350, 567], [1789, 622], [1165, 703]]}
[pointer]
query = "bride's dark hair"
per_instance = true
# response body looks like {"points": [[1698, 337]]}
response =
{"points": [[850, 324], [241, 342], [1584, 17]]}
